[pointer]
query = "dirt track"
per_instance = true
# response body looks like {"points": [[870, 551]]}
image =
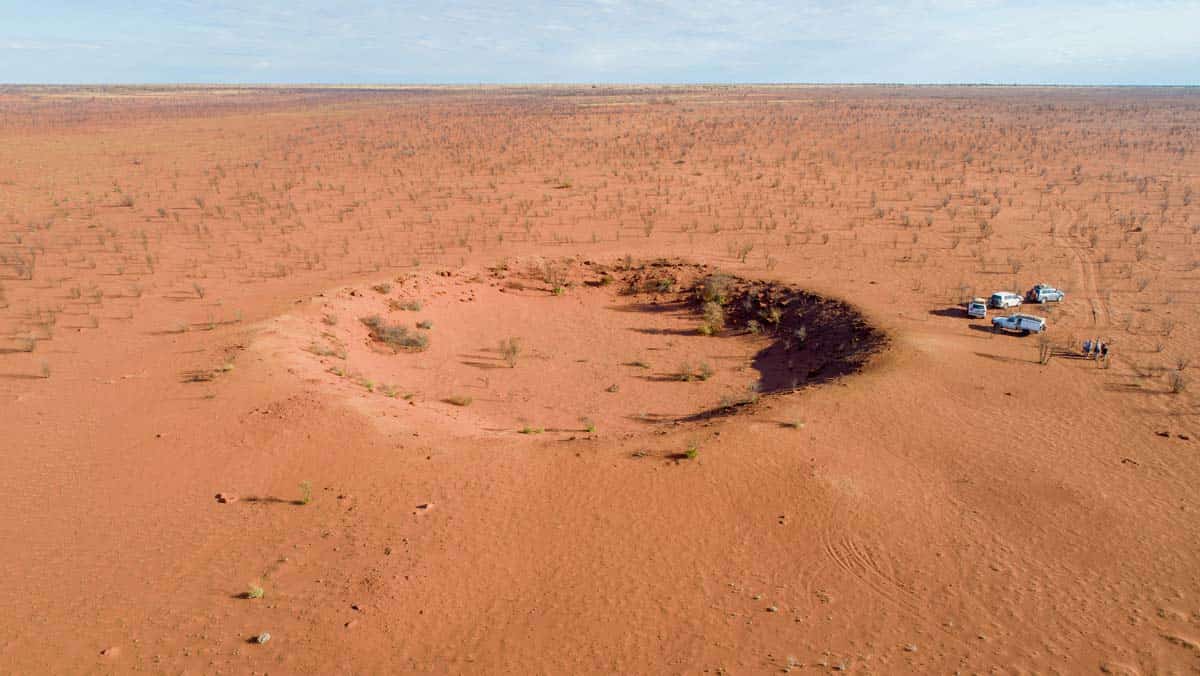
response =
{"points": [[167, 259]]}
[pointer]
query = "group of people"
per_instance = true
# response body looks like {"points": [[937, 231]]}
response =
{"points": [[1095, 349]]}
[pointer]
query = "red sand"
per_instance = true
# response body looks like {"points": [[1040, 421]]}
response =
{"points": [[167, 256]]}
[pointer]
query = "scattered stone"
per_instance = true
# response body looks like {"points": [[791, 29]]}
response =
{"points": [[772, 609], [1164, 435], [113, 651], [351, 624], [426, 505], [910, 648], [262, 638], [226, 498]]}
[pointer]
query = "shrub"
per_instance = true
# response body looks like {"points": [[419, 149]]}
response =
{"points": [[305, 492], [510, 350], [531, 430], [408, 305], [715, 289], [394, 335], [554, 276], [383, 288], [1177, 382], [425, 324], [772, 315], [714, 318], [254, 592], [687, 373]]}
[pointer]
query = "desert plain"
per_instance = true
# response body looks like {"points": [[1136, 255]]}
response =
{"points": [[431, 380]]}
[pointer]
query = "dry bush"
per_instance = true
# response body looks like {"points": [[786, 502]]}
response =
{"points": [[396, 336], [714, 319], [510, 351], [1177, 382], [716, 289]]}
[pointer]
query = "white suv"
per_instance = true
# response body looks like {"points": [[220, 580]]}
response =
{"points": [[1004, 299], [977, 308]]}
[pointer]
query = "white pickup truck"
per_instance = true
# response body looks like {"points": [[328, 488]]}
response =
{"points": [[1026, 324]]}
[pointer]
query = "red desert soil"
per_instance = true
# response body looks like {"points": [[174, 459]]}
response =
{"points": [[183, 278]]}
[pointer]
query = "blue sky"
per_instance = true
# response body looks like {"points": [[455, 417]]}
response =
{"points": [[633, 41]]}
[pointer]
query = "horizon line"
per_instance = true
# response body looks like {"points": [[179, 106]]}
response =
{"points": [[598, 84]]}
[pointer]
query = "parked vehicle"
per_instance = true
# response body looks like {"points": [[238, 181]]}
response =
{"points": [[1043, 293], [977, 308], [1026, 324], [1004, 299]]}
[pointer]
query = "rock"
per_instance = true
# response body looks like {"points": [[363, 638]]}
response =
{"points": [[262, 638], [426, 506], [910, 648], [113, 651], [772, 609], [226, 498]]}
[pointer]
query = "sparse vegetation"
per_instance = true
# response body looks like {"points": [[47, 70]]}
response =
{"points": [[714, 319], [1176, 382], [716, 289], [405, 305], [305, 493], [396, 336], [510, 351], [688, 373]]}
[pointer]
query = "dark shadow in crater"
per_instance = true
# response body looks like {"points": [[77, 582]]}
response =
{"points": [[815, 339]]}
